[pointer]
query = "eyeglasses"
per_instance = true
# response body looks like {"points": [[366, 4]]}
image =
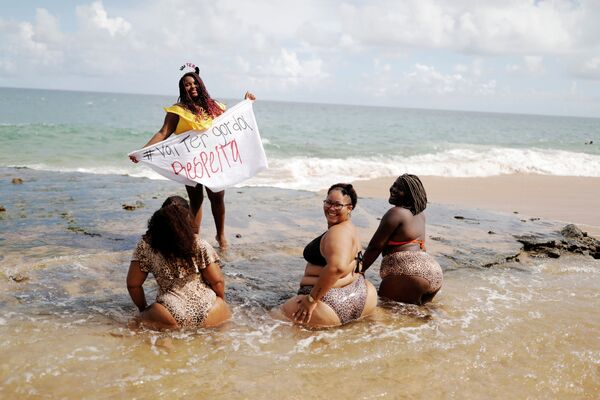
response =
{"points": [[334, 206]]}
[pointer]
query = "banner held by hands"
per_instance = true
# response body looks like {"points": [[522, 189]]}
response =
{"points": [[227, 153]]}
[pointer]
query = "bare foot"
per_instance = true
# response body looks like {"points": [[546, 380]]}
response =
{"points": [[223, 243]]}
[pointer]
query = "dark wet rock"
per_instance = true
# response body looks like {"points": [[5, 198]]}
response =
{"points": [[570, 239], [491, 233], [17, 181], [19, 278], [572, 231], [238, 235], [131, 207], [459, 217], [2, 209]]}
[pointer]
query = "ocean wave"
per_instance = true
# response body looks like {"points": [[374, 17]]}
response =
{"points": [[318, 173], [311, 173]]}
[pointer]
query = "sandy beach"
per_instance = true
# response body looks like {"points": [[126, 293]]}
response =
{"points": [[561, 198], [67, 239]]}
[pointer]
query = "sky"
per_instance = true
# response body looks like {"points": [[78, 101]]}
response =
{"points": [[515, 56]]}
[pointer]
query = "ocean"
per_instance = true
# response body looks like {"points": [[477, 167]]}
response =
{"points": [[308, 145], [506, 324]]}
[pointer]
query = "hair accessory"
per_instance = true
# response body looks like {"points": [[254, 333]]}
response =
{"points": [[190, 65]]}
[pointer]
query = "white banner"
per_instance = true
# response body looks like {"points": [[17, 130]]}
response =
{"points": [[227, 153]]}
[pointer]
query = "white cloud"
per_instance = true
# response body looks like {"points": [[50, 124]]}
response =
{"points": [[287, 69], [588, 68], [287, 50], [95, 16], [529, 64]]}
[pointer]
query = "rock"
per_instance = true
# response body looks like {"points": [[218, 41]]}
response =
{"points": [[572, 231], [131, 207], [459, 217], [2, 209], [17, 181], [19, 278], [237, 235], [553, 253], [491, 233], [570, 239]]}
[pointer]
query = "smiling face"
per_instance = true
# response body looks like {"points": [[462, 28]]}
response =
{"points": [[397, 195], [191, 87], [337, 207]]}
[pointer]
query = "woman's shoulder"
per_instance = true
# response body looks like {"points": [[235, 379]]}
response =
{"points": [[178, 109], [398, 212], [345, 230], [206, 251]]}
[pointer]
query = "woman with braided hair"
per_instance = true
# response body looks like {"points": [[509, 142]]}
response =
{"points": [[408, 273], [195, 110]]}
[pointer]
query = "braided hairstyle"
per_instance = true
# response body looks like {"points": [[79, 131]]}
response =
{"points": [[204, 104], [347, 190], [415, 198]]}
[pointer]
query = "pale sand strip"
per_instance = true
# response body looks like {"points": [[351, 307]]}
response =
{"points": [[560, 198]]}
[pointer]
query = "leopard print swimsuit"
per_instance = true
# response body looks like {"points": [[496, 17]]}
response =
{"points": [[183, 292]]}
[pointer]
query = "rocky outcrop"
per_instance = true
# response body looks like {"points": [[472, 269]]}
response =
{"points": [[570, 239]]}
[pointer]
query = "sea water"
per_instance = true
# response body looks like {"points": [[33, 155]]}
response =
{"points": [[503, 326], [308, 145]]}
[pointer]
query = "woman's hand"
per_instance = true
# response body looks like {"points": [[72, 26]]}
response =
{"points": [[305, 310], [249, 96], [132, 158]]}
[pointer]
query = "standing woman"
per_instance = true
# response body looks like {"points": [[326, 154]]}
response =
{"points": [[332, 292], [195, 110], [191, 288], [408, 273]]}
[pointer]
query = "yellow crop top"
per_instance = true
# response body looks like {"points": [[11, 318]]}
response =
{"points": [[189, 121]]}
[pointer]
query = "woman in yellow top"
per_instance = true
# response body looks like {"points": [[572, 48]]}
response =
{"points": [[195, 110]]}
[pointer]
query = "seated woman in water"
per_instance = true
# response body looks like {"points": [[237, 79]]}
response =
{"points": [[408, 273], [332, 292], [191, 290]]}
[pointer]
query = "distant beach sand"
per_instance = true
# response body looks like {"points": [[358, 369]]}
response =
{"points": [[560, 198]]}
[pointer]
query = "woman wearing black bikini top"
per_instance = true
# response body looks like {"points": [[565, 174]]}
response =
{"points": [[331, 291]]}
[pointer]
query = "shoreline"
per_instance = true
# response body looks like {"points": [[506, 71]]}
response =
{"points": [[559, 198]]}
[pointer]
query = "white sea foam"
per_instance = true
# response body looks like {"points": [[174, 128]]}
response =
{"points": [[311, 173]]}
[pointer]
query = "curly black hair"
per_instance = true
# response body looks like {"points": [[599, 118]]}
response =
{"points": [[170, 233], [347, 190]]}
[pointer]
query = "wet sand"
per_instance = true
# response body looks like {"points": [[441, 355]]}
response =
{"points": [[505, 326], [559, 198]]}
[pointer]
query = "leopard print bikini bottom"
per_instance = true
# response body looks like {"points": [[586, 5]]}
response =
{"points": [[348, 302]]}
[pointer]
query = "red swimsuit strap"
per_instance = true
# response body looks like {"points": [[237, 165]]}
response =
{"points": [[420, 242]]}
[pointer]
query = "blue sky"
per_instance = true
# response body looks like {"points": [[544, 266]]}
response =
{"points": [[540, 57]]}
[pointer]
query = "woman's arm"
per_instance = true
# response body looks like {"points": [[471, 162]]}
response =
{"points": [[389, 223], [213, 275], [336, 247], [167, 129], [135, 279]]}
